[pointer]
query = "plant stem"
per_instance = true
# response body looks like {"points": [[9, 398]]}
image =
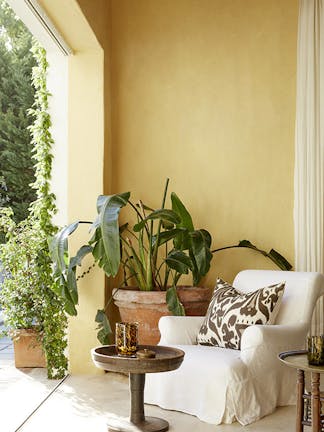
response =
{"points": [[156, 246], [237, 246]]}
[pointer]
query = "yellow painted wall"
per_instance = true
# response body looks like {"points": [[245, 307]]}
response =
{"points": [[203, 92]]}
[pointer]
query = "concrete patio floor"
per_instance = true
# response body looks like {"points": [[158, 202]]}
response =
{"points": [[31, 403]]}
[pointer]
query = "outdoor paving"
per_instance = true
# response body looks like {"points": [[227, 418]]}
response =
{"points": [[6, 348], [6, 351]]}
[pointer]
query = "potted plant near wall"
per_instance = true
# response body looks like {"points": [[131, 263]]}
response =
{"points": [[19, 301], [153, 254], [33, 314]]}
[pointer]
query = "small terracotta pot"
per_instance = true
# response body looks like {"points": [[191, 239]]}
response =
{"points": [[147, 307], [28, 349]]}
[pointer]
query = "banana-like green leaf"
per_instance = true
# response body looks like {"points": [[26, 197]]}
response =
{"points": [[58, 248], [179, 208], [179, 261], [72, 286], [77, 259], [164, 215], [121, 198], [64, 271], [70, 308], [278, 259], [109, 208], [166, 236], [275, 256], [182, 240], [104, 334], [61, 290], [71, 283], [98, 253], [201, 241], [173, 302]]}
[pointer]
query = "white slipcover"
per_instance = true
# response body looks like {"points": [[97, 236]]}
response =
{"points": [[223, 385]]}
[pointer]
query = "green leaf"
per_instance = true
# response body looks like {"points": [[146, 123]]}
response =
{"points": [[164, 215], [70, 307], [179, 261], [173, 302], [58, 247], [72, 286], [166, 236], [109, 208], [278, 259], [275, 256], [121, 198], [82, 252], [104, 334], [179, 208], [201, 241], [247, 244], [182, 240]]}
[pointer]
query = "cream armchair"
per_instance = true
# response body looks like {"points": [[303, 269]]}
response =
{"points": [[223, 385]]}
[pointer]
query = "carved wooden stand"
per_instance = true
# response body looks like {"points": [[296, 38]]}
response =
{"points": [[166, 359]]}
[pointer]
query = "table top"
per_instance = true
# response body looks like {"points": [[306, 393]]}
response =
{"points": [[166, 359], [298, 360]]}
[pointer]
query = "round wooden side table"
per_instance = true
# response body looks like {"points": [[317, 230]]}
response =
{"points": [[308, 405], [166, 359]]}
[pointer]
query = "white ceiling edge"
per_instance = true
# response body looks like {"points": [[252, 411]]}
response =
{"points": [[40, 25]]}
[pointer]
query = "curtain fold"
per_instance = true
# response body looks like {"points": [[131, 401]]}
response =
{"points": [[309, 152]]}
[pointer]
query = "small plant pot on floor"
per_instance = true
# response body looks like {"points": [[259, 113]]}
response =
{"points": [[28, 349]]}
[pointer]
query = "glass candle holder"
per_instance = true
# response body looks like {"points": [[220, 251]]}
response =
{"points": [[126, 338], [315, 353]]}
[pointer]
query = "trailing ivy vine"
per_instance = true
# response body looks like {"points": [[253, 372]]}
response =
{"points": [[28, 294], [42, 209]]}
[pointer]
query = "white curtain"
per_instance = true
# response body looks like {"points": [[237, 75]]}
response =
{"points": [[309, 146]]}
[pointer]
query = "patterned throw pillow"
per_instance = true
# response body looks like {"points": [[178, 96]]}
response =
{"points": [[231, 311]]}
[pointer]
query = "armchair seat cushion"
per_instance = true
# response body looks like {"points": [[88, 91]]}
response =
{"points": [[212, 383]]}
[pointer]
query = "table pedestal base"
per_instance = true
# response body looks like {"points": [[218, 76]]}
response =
{"points": [[149, 424]]}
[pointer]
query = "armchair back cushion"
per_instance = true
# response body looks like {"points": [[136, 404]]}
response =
{"points": [[301, 291]]}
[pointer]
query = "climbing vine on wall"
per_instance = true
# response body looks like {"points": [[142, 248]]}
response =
{"points": [[42, 209]]}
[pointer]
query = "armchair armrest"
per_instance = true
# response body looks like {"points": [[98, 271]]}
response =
{"points": [[179, 330], [264, 342]]}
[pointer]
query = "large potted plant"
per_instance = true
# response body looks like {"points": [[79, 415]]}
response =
{"points": [[153, 254]]}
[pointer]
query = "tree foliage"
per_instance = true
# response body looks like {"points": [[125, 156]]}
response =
{"points": [[16, 97]]}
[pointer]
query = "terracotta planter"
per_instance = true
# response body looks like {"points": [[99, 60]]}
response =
{"points": [[28, 349], [147, 307]]}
